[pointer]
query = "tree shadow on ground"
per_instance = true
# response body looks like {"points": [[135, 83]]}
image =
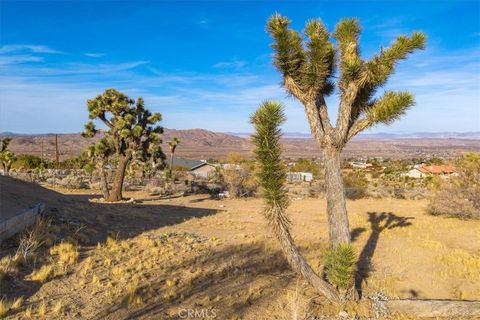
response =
{"points": [[87, 222], [242, 275], [378, 223]]}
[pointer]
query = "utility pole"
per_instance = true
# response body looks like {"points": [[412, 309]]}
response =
{"points": [[42, 151], [57, 160], [57, 156]]}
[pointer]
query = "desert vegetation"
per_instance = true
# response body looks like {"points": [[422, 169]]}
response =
{"points": [[460, 195], [132, 133]]}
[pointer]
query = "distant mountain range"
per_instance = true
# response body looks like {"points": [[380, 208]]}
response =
{"points": [[204, 144], [385, 136]]}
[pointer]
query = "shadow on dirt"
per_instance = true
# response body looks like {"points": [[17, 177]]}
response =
{"points": [[87, 222], [378, 223], [227, 282]]}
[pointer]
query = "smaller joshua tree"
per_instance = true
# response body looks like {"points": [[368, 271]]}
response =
{"points": [[271, 177], [98, 155], [7, 157], [132, 130], [172, 145]]}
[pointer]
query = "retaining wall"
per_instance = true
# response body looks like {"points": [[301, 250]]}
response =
{"points": [[18, 223]]}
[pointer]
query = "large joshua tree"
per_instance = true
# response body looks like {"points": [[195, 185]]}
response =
{"points": [[131, 129], [308, 68]]}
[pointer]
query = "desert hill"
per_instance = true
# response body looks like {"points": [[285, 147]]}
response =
{"points": [[204, 144]]}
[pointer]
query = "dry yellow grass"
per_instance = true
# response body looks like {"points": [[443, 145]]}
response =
{"points": [[4, 307], [42, 274], [42, 309], [28, 313], [229, 261], [66, 253], [58, 308], [17, 303]]}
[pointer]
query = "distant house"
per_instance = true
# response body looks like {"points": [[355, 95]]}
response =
{"points": [[360, 165], [423, 170], [197, 168], [203, 170], [299, 176]]}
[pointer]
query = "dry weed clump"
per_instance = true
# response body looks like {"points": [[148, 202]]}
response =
{"points": [[28, 313], [66, 254], [42, 274], [33, 238], [6, 305]]}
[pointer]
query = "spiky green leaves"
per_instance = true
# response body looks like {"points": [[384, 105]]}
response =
{"points": [[340, 266], [271, 171], [173, 144], [390, 107], [5, 143], [310, 67], [131, 127], [289, 54], [307, 66], [7, 157], [382, 65], [347, 33]]}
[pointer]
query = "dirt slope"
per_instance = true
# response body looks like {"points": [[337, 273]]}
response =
{"points": [[180, 253], [16, 196]]}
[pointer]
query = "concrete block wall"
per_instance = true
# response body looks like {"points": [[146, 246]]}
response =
{"points": [[18, 223]]}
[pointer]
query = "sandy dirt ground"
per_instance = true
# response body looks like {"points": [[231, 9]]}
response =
{"points": [[160, 258]]}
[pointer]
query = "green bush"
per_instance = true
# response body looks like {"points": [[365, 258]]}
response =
{"points": [[340, 266]]}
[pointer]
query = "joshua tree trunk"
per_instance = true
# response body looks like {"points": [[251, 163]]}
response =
{"points": [[116, 194], [104, 182], [171, 161], [336, 207], [298, 262]]}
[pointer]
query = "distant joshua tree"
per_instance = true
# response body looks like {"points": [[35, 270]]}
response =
{"points": [[173, 146], [7, 157], [131, 129], [308, 70], [98, 155]]}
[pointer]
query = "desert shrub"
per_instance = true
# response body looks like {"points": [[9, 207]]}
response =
{"points": [[33, 238], [460, 196], [340, 266], [27, 161], [73, 182], [355, 185], [238, 177]]}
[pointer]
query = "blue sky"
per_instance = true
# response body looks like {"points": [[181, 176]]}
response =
{"points": [[207, 64]]}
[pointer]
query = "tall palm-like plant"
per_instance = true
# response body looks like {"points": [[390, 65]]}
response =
{"points": [[271, 178]]}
